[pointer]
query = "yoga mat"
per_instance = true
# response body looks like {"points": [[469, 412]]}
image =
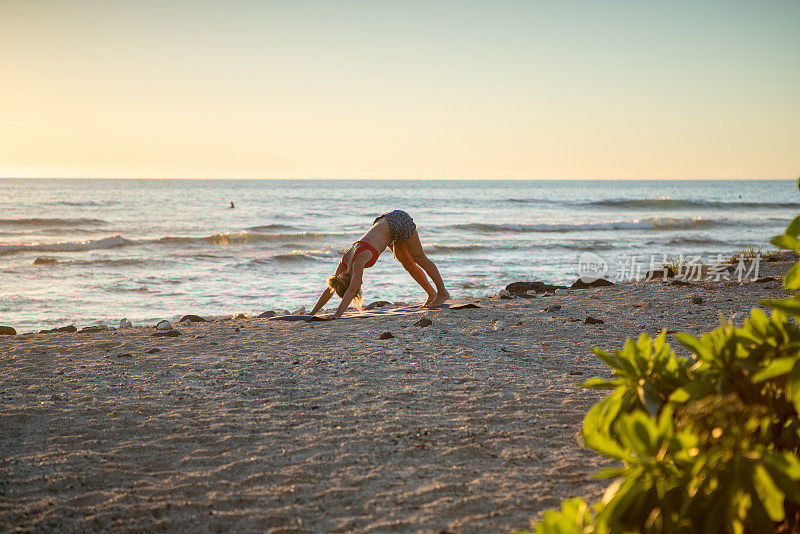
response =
{"points": [[355, 314]]}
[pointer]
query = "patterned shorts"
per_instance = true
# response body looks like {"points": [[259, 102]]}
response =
{"points": [[401, 225]]}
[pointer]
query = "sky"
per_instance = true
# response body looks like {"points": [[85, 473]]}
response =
{"points": [[647, 89]]}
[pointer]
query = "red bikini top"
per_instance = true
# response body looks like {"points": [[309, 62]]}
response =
{"points": [[362, 247]]}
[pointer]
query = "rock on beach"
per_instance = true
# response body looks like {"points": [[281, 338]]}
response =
{"points": [[600, 282], [522, 288]]}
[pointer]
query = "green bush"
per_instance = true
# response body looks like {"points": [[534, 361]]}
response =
{"points": [[706, 444]]}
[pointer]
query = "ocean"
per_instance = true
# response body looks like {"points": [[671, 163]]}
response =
{"points": [[87, 251]]}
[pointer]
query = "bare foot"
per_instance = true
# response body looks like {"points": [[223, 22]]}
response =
{"points": [[439, 300], [431, 298]]}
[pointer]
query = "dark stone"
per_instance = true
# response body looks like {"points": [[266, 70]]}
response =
{"points": [[679, 283], [591, 320], [168, 333], [521, 288], [125, 355], [659, 274], [70, 328], [267, 314], [7, 331], [696, 299], [386, 335], [94, 328], [464, 306], [153, 351], [45, 261], [235, 329], [554, 307], [765, 279], [600, 282], [423, 322], [192, 319], [377, 304]]}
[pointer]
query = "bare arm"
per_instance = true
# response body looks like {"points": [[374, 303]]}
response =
{"points": [[328, 292], [323, 299], [352, 290]]}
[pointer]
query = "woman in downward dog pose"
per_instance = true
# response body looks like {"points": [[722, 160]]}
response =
{"points": [[397, 231]]}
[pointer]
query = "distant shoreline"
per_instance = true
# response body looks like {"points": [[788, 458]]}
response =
{"points": [[371, 179], [780, 257]]}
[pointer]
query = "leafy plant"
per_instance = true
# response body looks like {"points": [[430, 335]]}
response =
{"points": [[708, 443]]}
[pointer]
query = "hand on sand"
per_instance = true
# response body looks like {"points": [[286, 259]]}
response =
{"points": [[438, 301]]}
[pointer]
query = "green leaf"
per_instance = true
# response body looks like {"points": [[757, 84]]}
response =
{"points": [[794, 226], [605, 357], [789, 306], [777, 367], [637, 432], [771, 496], [650, 399], [786, 241], [601, 383], [617, 499], [611, 472], [784, 468], [695, 345], [596, 434], [665, 426], [573, 518], [786, 462], [792, 278], [679, 396], [793, 387]]}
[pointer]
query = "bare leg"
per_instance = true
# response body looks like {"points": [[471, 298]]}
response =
{"points": [[414, 248], [402, 255]]}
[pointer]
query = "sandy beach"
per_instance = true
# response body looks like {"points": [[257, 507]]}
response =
{"points": [[470, 424]]}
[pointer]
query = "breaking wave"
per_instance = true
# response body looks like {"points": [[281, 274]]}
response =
{"points": [[441, 247], [36, 222], [120, 262], [119, 241], [697, 241], [300, 255], [68, 246], [268, 227], [671, 203], [652, 223], [239, 239]]}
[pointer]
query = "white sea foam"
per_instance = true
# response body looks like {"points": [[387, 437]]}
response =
{"points": [[68, 246]]}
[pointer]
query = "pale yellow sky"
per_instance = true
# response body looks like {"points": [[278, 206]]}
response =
{"points": [[626, 89]]}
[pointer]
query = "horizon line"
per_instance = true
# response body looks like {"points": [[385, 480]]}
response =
{"points": [[467, 178]]}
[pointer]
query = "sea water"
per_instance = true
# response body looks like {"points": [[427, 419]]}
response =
{"points": [[88, 251]]}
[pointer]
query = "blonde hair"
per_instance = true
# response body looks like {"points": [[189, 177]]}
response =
{"points": [[340, 283]]}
